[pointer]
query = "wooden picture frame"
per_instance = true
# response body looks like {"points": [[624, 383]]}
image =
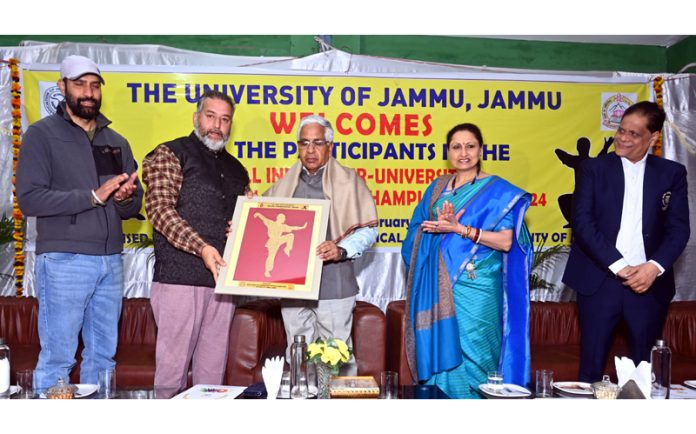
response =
{"points": [[271, 250]]}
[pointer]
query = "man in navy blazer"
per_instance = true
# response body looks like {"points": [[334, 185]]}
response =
{"points": [[630, 224]]}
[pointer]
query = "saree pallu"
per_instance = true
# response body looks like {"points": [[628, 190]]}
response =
{"points": [[445, 306]]}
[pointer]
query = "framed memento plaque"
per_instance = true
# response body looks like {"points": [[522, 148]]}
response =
{"points": [[271, 249]]}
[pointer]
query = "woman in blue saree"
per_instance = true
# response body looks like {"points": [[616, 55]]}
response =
{"points": [[468, 255]]}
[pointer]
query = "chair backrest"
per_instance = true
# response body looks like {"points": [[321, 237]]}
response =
{"points": [[19, 318]]}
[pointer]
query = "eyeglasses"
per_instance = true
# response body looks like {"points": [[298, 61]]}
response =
{"points": [[632, 134], [305, 143]]}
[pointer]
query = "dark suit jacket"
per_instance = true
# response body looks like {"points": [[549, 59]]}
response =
{"points": [[597, 207]]}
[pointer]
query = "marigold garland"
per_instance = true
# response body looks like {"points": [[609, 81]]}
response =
{"points": [[17, 216], [657, 86]]}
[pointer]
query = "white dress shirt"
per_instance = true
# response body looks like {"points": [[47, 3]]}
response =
{"points": [[629, 241]]}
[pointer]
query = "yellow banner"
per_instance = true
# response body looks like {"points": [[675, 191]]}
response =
{"points": [[391, 130]]}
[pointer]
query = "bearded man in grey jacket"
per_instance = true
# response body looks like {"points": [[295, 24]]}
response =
{"points": [[78, 178]]}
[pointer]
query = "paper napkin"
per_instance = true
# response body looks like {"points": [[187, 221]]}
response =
{"points": [[272, 372], [642, 374]]}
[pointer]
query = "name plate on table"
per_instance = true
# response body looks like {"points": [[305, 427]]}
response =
{"points": [[210, 391], [353, 387]]}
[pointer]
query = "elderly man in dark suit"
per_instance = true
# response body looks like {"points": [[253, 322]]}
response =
{"points": [[630, 224]]}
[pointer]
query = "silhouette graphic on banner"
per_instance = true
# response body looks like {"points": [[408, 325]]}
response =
{"points": [[279, 234], [565, 201]]}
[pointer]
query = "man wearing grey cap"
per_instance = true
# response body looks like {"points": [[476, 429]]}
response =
{"points": [[78, 178]]}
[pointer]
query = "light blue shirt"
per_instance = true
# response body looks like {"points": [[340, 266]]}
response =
{"points": [[358, 241]]}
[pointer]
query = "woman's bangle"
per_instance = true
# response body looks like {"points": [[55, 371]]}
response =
{"points": [[474, 235]]}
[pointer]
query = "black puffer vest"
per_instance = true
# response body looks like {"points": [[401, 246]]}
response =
{"points": [[212, 182]]}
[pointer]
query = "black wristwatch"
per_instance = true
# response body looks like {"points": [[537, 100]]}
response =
{"points": [[343, 253]]}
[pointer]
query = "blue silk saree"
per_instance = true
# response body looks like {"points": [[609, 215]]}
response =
{"points": [[465, 323]]}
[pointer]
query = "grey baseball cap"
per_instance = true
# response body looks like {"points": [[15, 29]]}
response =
{"points": [[74, 67]]}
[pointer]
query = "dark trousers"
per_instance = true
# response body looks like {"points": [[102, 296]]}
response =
{"points": [[601, 312]]}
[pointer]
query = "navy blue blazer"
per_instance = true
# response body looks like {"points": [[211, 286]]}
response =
{"points": [[597, 206]]}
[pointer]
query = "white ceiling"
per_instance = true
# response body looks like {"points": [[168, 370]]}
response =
{"points": [[656, 40]]}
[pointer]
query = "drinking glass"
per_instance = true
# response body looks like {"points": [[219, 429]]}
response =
{"points": [[495, 380], [106, 383], [25, 380], [544, 383], [389, 385], [284, 386], [658, 391]]}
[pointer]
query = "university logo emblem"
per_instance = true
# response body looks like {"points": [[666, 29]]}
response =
{"points": [[613, 109], [50, 99]]}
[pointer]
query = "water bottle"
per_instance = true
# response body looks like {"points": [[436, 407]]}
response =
{"points": [[298, 368], [661, 363], [4, 369]]}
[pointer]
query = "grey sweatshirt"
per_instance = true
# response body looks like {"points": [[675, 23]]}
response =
{"points": [[57, 169]]}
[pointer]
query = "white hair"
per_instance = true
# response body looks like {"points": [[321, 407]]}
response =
{"points": [[320, 120], [213, 145]]}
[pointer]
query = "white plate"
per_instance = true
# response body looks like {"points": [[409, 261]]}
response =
{"points": [[574, 388], [506, 391], [690, 383], [84, 390]]}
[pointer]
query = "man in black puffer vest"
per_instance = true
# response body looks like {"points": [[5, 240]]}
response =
{"points": [[192, 188]]}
